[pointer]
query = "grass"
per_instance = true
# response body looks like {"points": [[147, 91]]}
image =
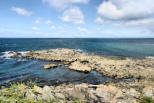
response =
{"points": [[15, 93], [146, 100]]}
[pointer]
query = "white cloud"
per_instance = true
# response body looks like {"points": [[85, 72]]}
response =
{"points": [[52, 27], [21, 11], [126, 9], [143, 23], [38, 21], [61, 4], [100, 29], [127, 13], [35, 28], [82, 29], [74, 15], [99, 20], [48, 22]]}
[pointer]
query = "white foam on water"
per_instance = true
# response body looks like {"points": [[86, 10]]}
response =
{"points": [[8, 54], [78, 50], [150, 57]]}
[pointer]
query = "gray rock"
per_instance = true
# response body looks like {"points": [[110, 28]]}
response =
{"points": [[30, 95], [149, 92], [60, 96]]}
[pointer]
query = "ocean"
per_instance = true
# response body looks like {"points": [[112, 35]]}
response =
{"points": [[13, 70]]}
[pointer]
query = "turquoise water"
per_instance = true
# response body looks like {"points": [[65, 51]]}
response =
{"points": [[12, 69]]}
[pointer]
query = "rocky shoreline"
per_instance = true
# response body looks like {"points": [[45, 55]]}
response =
{"points": [[141, 70], [112, 67]]}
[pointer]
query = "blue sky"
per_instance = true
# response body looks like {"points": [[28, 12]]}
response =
{"points": [[76, 18]]}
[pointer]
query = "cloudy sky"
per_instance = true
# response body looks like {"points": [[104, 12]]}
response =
{"points": [[77, 18]]}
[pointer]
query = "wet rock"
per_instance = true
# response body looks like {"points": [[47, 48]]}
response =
{"points": [[15, 55], [12, 54], [49, 66]]}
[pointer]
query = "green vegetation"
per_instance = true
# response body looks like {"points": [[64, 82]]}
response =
{"points": [[113, 58], [146, 100], [16, 93], [77, 101]]}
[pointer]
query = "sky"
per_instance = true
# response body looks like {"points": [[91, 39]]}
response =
{"points": [[77, 18]]}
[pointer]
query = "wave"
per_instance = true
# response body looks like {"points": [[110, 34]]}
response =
{"points": [[8, 54]]}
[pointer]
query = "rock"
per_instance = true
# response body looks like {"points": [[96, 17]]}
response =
{"points": [[15, 55], [30, 95], [49, 66], [132, 92], [12, 54], [87, 93], [116, 68], [60, 96], [38, 89], [47, 89], [107, 93], [47, 97], [44, 93], [148, 91], [78, 66]]}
